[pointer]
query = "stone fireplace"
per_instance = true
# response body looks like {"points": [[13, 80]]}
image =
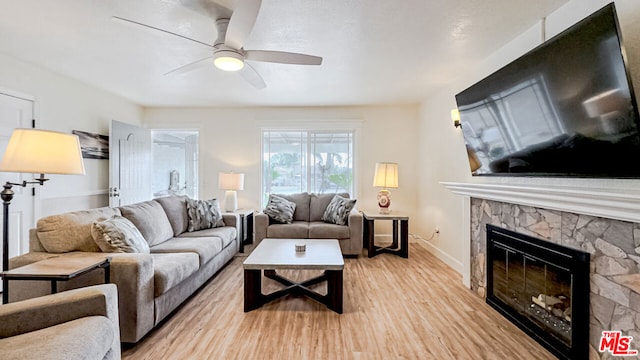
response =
{"points": [[614, 246]]}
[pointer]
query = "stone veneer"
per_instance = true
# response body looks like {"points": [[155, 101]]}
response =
{"points": [[615, 259]]}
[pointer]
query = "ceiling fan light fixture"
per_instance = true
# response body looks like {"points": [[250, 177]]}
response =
{"points": [[228, 60]]}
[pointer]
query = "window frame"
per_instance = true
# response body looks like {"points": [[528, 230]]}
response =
{"points": [[353, 126]]}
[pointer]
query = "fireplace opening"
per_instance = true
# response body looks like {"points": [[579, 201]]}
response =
{"points": [[541, 287]]}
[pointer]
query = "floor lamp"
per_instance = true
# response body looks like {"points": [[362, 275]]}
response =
{"points": [[36, 152]]}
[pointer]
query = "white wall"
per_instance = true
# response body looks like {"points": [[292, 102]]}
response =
{"points": [[442, 152], [230, 140], [64, 104]]}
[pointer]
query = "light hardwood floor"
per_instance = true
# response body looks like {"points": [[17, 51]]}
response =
{"points": [[394, 308]]}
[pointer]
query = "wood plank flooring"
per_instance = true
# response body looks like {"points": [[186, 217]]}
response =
{"points": [[394, 308]]}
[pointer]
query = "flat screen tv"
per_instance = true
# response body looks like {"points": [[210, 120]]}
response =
{"points": [[566, 108]]}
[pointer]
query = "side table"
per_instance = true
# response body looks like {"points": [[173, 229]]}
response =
{"points": [[246, 226], [54, 269], [400, 234]]}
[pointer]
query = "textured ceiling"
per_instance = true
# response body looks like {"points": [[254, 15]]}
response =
{"points": [[375, 51]]}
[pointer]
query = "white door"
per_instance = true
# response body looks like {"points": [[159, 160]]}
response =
{"points": [[129, 164], [191, 166], [16, 113]]}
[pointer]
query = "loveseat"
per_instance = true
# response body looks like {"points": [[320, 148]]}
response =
{"points": [[72, 325], [307, 223], [150, 285]]}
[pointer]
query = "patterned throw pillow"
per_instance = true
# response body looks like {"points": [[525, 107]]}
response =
{"points": [[338, 210], [118, 234], [280, 209], [204, 214]]}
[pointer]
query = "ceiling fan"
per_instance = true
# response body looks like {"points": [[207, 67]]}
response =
{"points": [[228, 49]]}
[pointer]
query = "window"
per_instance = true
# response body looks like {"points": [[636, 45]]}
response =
{"points": [[307, 160]]}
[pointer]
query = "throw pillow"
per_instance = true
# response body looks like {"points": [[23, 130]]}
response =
{"points": [[203, 214], [338, 210], [118, 234], [280, 209]]}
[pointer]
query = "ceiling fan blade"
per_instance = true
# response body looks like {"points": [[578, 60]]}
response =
{"points": [[251, 75], [241, 23], [191, 66], [282, 57], [149, 27]]}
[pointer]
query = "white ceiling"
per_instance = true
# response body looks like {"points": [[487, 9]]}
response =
{"points": [[375, 51]]}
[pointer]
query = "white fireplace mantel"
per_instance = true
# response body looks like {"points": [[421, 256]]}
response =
{"points": [[613, 204]]}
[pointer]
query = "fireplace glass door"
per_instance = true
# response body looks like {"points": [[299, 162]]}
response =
{"points": [[536, 289], [541, 287]]}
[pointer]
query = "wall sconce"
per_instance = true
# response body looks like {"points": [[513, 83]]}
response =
{"points": [[455, 116]]}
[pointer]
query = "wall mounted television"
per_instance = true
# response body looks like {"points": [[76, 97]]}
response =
{"points": [[566, 108]]}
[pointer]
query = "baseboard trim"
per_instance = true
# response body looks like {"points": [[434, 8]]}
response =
{"points": [[446, 258]]}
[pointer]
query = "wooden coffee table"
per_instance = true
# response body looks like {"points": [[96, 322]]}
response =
{"points": [[276, 254]]}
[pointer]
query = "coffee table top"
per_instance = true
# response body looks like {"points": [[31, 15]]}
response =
{"points": [[273, 254]]}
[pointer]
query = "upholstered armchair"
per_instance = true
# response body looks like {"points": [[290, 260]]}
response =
{"points": [[74, 324]]}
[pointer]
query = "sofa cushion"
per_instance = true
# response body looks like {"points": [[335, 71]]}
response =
{"points": [[206, 247], [176, 209], [118, 234], [226, 233], [280, 209], [323, 230], [302, 205], [89, 337], [318, 204], [149, 217], [203, 214], [71, 231], [170, 270], [295, 230], [338, 210]]}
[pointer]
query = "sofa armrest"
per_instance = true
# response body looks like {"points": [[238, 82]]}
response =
{"points": [[355, 231], [260, 224], [133, 273], [233, 220], [46, 311], [29, 258]]}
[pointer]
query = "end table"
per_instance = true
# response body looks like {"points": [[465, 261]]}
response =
{"points": [[400, 244], [246, 227], [54, 269]]}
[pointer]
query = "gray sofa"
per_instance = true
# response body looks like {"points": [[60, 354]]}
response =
{"points": [[150, 286], [307, 223], [72, 325]]}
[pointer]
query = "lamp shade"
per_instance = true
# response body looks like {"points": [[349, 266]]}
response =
{"points": [[386, 175], [230, 181], [44, 152]]}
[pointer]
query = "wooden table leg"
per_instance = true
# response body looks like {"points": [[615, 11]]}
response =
{"points": [[394, 244], [5, 290], [369, 237], [404, 238], [253, 298], [334, 290]]}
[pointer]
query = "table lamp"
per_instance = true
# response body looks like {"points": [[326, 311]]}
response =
{"points": [[230, 182], [386, 176], [39, 152]]}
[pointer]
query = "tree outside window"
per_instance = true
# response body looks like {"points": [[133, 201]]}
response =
{"points": [[311, 161]]}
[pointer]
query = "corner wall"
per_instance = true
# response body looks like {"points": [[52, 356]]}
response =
{"points": [[442, 152], [64, 104]]}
